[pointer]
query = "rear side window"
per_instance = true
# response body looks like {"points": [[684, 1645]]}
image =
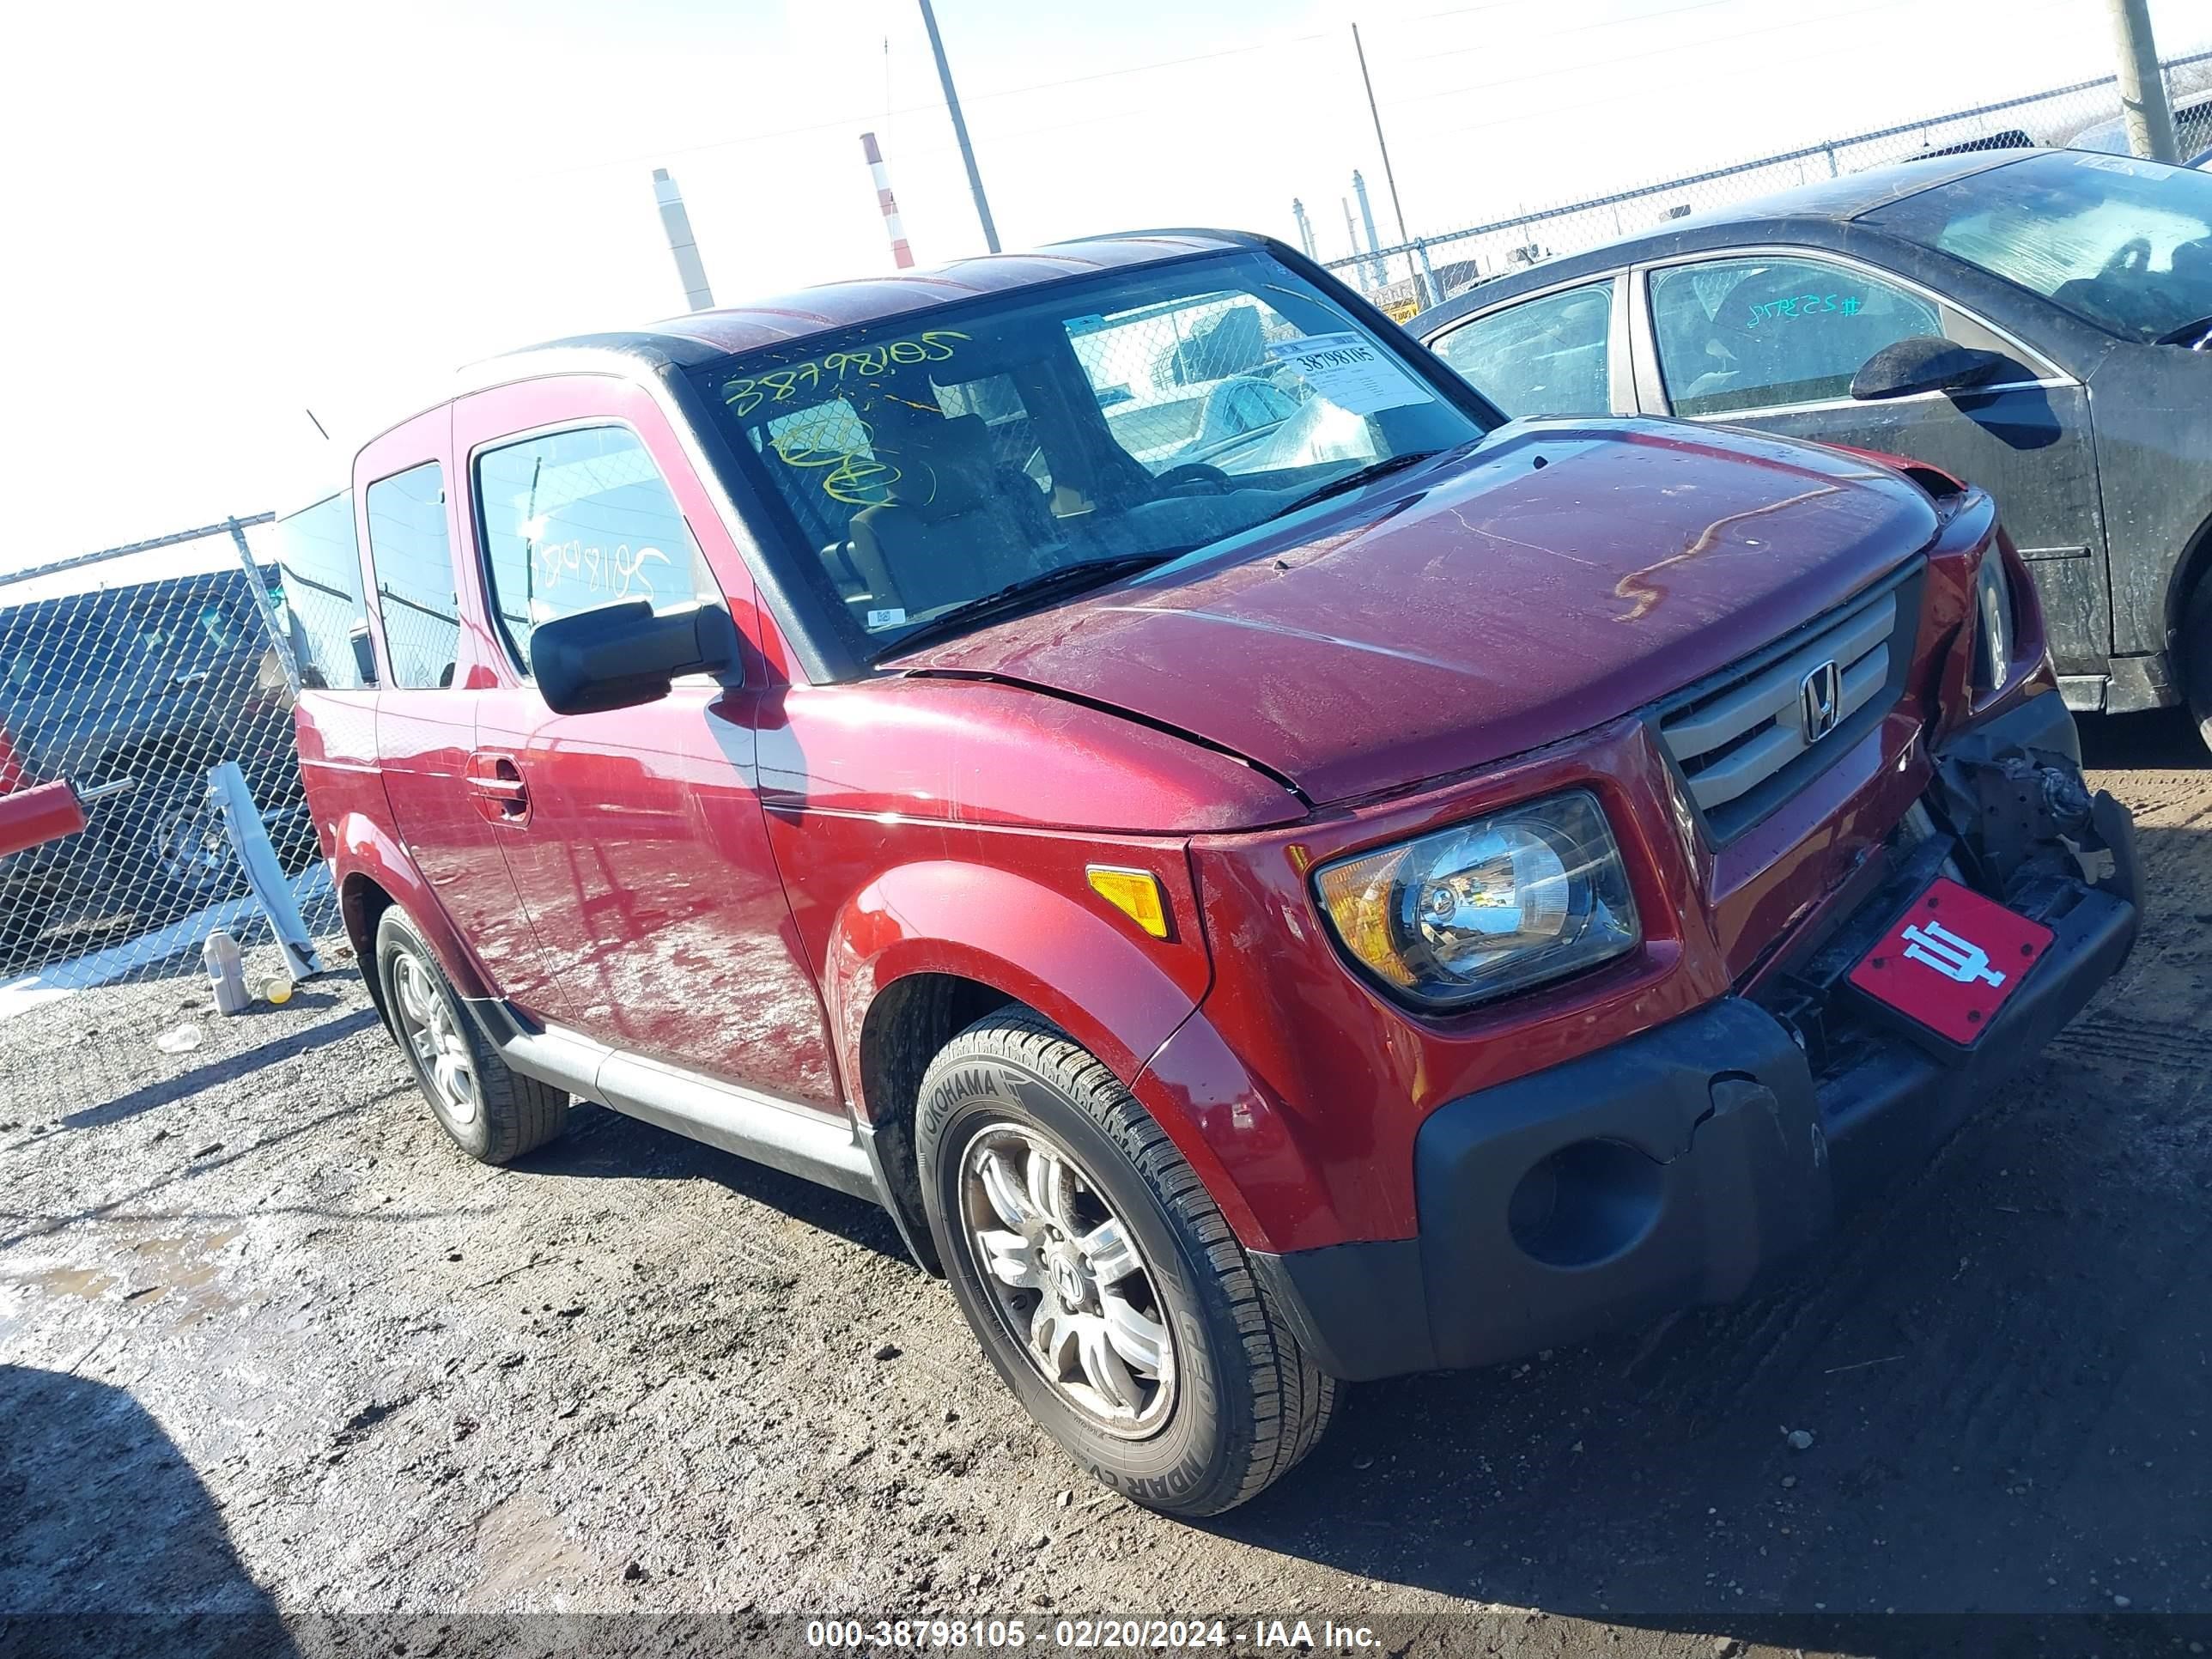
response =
{"points": [[1552, 356], [413, 560], [319, 559], [577, 520]]}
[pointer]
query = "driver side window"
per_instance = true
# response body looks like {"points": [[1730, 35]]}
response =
{"points": [[1765, 333]]}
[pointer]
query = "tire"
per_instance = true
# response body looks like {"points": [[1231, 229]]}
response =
{"points": [[175, 852], [2196, 643], [494, 1113], [1236, 1405]]}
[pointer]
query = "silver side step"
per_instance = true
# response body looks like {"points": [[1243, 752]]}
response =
{"points": [[782, 1134]]}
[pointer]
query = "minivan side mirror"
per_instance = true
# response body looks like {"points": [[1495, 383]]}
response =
{"points": [[621, 655], [1923, 362]]}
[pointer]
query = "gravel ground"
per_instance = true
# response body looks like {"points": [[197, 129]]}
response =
{"points": [[272, 1354]]}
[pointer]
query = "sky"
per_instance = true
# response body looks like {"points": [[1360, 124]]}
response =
{"points": [[218, 218]]}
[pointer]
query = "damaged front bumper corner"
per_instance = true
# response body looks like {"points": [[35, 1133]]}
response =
{"points": [[1683, 1165]]}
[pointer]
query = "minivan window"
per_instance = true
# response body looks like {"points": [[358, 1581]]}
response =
{"points": [[1551, 355], [319, 558], [413, 561], [922, 463], [577, 520]]}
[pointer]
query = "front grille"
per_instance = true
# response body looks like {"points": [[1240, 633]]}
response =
{"points": [[1742, 738]]}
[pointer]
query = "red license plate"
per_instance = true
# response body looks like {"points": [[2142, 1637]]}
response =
{"points": [[1951, 960]]}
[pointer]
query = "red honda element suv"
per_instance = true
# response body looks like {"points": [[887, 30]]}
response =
{"points": [[1272, 874]]}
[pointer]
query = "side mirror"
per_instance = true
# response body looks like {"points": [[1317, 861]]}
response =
{"points": [[621, 655], [1924, 363]]}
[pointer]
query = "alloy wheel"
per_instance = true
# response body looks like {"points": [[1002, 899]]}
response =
{"points": [[193, 849], [1066, 1279], [426, 1023]]}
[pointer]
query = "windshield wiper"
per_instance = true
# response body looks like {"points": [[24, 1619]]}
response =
{"points": [[1016, 595], [2192, 335], [1358, 476]]}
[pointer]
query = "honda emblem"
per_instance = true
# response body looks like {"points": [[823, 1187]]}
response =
{"points": [[1821, 701]]}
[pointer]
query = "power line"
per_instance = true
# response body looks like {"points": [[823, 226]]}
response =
{"points": [[1666, 15], [1586, 65], [916, 109]]}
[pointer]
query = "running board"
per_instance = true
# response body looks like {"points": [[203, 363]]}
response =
{"points": [[784, 1135]]}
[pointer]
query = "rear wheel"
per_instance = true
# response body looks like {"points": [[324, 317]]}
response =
{"points": [[492, 1112], [1100, 1278]]}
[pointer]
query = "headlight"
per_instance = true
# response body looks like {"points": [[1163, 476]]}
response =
{"points": [[1993, 625], [1488, 907]]}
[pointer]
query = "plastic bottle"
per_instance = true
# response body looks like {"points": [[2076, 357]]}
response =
{"points": [[226, 970]]}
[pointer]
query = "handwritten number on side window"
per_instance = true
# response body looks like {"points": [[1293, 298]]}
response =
{"points": [[1799, 306]]}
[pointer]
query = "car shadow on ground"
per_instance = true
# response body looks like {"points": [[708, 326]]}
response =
{"points": [[1998, 1361], [164, 1091], [109, 1543], [601, 1143]]}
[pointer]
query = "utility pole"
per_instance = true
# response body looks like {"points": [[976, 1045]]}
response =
{"points": [[1389, 177], [2142, 87], [960, 127], [1305, 228]]}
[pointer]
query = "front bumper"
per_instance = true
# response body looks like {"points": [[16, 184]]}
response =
{"points": [[1685, 1164]]}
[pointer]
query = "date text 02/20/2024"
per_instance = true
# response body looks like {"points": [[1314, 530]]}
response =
{"points": [[1091, 1634]]}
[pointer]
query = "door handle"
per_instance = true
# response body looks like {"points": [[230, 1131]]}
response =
{"points": [[494, 783]]}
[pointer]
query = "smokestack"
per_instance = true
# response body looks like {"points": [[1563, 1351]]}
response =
{"points": [[1305, 227], [698, 296], [1377, 277], [902, 255]]}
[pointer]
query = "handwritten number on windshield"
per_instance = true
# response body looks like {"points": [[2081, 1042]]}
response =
{"points": [[746, 393]]}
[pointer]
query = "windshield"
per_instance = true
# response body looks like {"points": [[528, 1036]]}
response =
{"points": [[926, 462], [2126, 245], [134, 636]]}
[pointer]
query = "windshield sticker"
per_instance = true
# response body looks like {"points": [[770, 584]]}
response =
{"points": [[2114, 164], [1350, 371], [893, 617], [1798, 306], [745, 393]]}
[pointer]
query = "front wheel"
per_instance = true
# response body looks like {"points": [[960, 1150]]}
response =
{"points": [[1100, 1278], [2197, 656]]}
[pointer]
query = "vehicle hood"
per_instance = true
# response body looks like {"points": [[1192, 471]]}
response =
{"points": [[1559, 575]]}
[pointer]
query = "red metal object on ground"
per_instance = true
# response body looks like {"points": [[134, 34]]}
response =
{"points": [[1950, 961], [32, 818]]}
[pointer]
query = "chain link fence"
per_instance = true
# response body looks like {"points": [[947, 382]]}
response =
{"points": [[2087, 115], [129, 676]]}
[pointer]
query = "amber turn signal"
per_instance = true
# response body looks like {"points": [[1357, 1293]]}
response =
{"points": [[1135, 893]]}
